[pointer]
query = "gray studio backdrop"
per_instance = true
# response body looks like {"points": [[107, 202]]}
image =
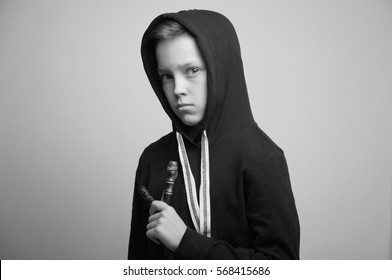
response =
{"points": [[76, 111]]}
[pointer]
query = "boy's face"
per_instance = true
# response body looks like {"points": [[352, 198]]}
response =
{"points": [[184, 78]]}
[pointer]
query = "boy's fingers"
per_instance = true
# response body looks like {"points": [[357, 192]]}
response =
{"points": [[157, 206], [150, 235]]}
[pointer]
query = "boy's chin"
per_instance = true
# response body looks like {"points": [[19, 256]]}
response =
{"points": [[191, 123]]}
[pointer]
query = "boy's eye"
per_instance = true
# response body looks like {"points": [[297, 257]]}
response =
{"points": [[166, 77], [192, 71]]}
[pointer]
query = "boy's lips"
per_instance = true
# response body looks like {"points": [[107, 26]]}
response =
{"points": [[183, 106]]}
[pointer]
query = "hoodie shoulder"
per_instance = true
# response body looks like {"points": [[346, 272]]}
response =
{"points": [[162, 149], [163, 142], [256, 144]]}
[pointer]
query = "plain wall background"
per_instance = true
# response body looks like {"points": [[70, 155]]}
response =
{"points": [[76, 111]]}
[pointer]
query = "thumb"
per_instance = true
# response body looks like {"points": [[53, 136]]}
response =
{"points": [[158, 206]]}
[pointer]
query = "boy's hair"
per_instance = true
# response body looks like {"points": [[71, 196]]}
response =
{"points": [[166, 30]]}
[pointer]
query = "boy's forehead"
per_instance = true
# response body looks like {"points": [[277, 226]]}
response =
{"points": [[181, 50], [178, 43]]}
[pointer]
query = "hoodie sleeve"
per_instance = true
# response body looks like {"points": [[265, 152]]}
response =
{"points": [[271, 212], [137, 240]]}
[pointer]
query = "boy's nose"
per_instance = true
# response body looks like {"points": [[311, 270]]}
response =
{"points": [[179, 86]]}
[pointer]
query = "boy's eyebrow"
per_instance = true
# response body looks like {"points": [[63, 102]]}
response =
{"points": [[187, 64], [160, 69]]}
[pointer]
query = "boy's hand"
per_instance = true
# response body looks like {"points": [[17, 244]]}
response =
{"points": [[165, 226]]}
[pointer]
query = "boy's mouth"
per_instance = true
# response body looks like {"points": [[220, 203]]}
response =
{"points": [[183, 106]]}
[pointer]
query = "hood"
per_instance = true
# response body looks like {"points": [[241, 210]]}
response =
{"points": [[228, 110]]}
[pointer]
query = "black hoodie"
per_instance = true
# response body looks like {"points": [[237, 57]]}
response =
{"points": [[253, 213]]}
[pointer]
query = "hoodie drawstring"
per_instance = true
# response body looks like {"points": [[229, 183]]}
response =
{"points": [[201, 215]]}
